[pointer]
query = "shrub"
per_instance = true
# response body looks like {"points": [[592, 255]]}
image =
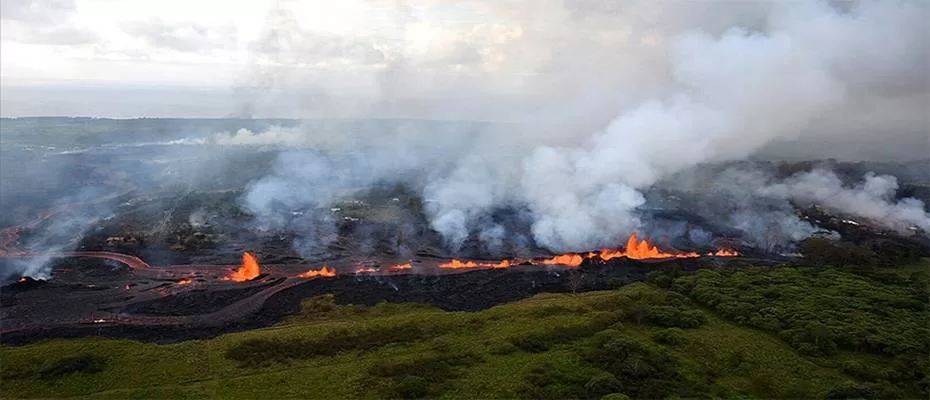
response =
{"points": [[670, 336], [852, 393], [82, 364], [563, 380], [534, 342], [665, 316], [823, 251], [412, 387], [643, 371], [502, 348], [261, 352], [603, 382], [421, 376]]}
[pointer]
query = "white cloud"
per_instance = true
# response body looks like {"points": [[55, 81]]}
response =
{"points": [[187, 36], [49, 22]]}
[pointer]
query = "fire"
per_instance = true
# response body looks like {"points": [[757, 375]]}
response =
{"points": [[248, 271], [724, 253], [325, 272], [185, 282], [400, 267]]}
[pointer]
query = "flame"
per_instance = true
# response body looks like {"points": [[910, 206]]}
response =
{"points": [[185, 282], [400, 267], [325, 272], [724, 253], [248, 271]]}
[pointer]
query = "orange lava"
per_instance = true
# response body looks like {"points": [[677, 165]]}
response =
{"points": [[248, 271], [400, 267], [724, 253], [643, 250], [459, 264], [185, 282], [571, 260], [325, 272], [635, 249]]}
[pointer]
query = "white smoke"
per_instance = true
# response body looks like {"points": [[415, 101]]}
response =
{"points": [[873, 198], [683, 88]]}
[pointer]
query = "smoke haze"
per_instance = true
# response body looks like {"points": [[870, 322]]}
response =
{"points": [[618, 98]]}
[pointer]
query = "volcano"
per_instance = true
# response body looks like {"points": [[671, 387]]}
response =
{"points": [[119, 295], [199, 280]]}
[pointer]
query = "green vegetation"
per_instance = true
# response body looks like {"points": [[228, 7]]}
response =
{"points": [[773, 333]]}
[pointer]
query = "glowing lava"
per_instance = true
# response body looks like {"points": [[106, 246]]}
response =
{"points": [[185, 282], [643, 250], [571, 260], [325, 272], [458, 264], [400, 267], [635, 249], [366, 270], [248, 271]]}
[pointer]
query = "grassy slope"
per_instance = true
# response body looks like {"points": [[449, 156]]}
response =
{"points": [[506, 352]]}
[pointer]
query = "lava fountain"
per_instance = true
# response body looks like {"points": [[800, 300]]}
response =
{"points": [[640, 250], [325, 272], [635, 249], [248, 271]]}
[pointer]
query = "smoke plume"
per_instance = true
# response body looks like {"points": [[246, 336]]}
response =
{"points": [[619, 99], [872, 198]]}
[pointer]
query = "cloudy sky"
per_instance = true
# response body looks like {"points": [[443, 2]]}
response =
{"points": [[578, 60], [71, 56], [473, 59]]}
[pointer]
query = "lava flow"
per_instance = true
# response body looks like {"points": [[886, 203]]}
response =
{"points": [[325, 272], [635, 249], [459, 264], [401, 267], [248, 271]]}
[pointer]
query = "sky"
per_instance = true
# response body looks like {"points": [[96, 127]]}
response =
{"points": [[70, 56], [570, 61]]}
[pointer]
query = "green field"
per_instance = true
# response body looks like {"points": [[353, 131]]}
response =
{"points": [[759, 333]]}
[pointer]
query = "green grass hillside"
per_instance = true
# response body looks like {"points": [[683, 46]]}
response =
{"points": [[760, 333]]}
